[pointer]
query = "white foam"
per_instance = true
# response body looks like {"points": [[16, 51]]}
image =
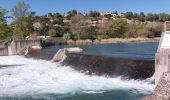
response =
{"points": [[40, 76]]}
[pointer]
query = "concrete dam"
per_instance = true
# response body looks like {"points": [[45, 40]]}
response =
{"points": [[128, 68], [111, 66]]}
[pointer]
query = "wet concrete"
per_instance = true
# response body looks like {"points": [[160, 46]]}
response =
{"points": [[111, 66]]}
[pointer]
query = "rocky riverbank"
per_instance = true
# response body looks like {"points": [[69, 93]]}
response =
{"points": [[102, 41]]}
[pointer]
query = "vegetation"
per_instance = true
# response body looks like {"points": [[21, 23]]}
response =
{"points": [[119, 28], [75, 25]]}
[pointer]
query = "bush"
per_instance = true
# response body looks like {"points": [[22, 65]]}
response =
{"points": [[66, 36], [119, 28], [52, 32]]}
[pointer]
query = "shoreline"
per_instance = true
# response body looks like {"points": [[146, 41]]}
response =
{"points": [[103, 41]]}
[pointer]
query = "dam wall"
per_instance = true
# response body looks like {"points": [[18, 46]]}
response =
{"points": [[4, 49], [18, 47], [111, 66], [162, 57]]}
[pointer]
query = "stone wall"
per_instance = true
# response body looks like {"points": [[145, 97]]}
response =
{"points": [[162, 90]]}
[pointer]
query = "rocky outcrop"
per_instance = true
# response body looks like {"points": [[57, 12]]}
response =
{"points": [[162, 90], [111, 66]]}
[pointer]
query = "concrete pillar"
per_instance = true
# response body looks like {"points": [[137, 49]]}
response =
{"points": [[162, 57]]}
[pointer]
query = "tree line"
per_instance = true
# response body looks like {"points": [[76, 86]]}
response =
{"points": [[75, 25]]}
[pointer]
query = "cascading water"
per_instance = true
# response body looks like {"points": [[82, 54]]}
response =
{"points": [[32, 79]]}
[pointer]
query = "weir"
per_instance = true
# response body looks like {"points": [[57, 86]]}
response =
{"points": [[111, 66]]}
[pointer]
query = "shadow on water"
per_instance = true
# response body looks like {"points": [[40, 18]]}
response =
{"points": [[109, 95], [2, 66]]}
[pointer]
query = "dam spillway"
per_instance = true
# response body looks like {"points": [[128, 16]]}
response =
{"points": [[38, 78], [111, 66], [99, 59]]}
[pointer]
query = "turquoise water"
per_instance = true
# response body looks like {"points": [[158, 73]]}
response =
{"points": [[131, 50], [37, 79]]}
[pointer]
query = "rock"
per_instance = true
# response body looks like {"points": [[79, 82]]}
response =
{"points": [[162, 90]]}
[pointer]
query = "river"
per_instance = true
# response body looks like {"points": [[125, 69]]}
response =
{"points": [[24, 78]]}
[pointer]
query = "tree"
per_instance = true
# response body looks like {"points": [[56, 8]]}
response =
{"points": [[3, 17], [67, 36], [154, 29], [21, 10], [152, 17], [52, 32], [5, 31], [129, 15], [71, 13], [119, 28], [163, 17], [142, 16], [23, 20], [22, 27], [41, 25], [78, 25], [91, 32], [94, 14], [108, 16], [132, 30], [104, 27]]}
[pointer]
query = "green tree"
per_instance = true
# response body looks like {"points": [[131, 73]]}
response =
{"points": [[52, 32], [67, 36], [91, 31], [42, 25], [129, 15], [23, 20], [22, 27], [94, 14], [71, 13], [154, 29], [3, 17], [142, 16], [119, 28], [141, 30], [5, 31]]}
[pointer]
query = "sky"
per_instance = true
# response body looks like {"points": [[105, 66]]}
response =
{"points": [[42, 7]]}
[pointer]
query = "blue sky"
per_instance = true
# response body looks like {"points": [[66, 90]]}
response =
{"points": [[44, 6]]}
